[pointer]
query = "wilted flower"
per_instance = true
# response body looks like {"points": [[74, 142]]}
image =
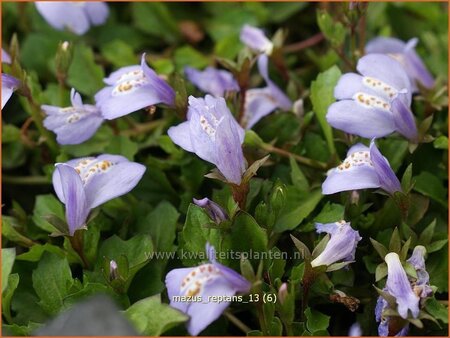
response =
{"points": [[214, 135], [340, 248], [132, 88], [75, 124], [189, 290], [212, 81], [255, 39], [85, 183], [9, 85], [421, 286], [5, 57], [375, 103], [363, 168], [260, 102], [77, 17], [405, 53], [215, 211]]}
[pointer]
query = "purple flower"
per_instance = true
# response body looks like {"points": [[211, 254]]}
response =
{"points": [[132, 88], [398, 285], [212, 81], [355, 330], [214, 135], [260, 102], [215, 211], [77, 17], [363, 168], [340, 248], [85, 183], [255, 39], [422, 284], [405, 53], [75, 124], [375, 103], [5, 57], [191, 290], [9, 85]]}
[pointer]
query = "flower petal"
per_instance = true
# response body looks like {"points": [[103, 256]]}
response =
{"points": [[388, 180], [97, 12], [255, 39], [258, 103], [173, 284], [180, 135], [165, 93], [353, 118], [363, 177], [212, 81], [118, 180], [404, 120], [5, 57], [77, 209], [63, 15]]}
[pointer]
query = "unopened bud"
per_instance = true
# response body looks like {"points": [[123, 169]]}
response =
{"points": [[113, 270], [354, 197], [63, 60], [283, 293]]}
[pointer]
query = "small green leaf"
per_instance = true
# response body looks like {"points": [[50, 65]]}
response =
{"points": [[152, 318], [13, 282], [395, 242], [322, 96], [47, 205], [431, 186], [437, 310], [381, 271], [316, 321], [333, 31], [301, 247], [8, 257], [406, 179], [297, 177], [122, 145], [441, 142], [380, 248], [427, 234], [436, 246]]}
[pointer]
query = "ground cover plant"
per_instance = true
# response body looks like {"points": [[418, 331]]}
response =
{"points": [[227, 168]]}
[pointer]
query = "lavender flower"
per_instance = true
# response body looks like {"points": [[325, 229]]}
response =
{"points": [[340, 247], [421, 286], [255, 39], [260, 102], [189, 290], [355, 330], [132, 88], [375, 103], [9, 85], [75, 16], [5, 57], [215, 211], [363, 168], [405, 53], [214, 135], [85, 183], [212, 81], [74, 124]]}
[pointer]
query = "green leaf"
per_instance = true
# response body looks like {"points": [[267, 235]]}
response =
{"points": [[441, 142], [84, 74], [13, 282], [36, 251], [188, 56], [427, 234], [52, 280], [298, 206], [152, 318], [47, 205], [395, 243], [322, 96], [8, 257], [431, 186], [122, 145], [119, 53], [9, 225], [301, 247], [297, 177], [333, 31], [380, 248], [330, 213], [437, 310], [436, 246], [155, 18], [316, 321], [381, 272]]}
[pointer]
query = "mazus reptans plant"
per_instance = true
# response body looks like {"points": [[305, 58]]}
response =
{"points": [[341, 246], [376, 102], [212, 133], [85, 183], [74, 124], [405, 53], [132, 88], [363, 168], [189, 289], [77, 17], [216, 82]]}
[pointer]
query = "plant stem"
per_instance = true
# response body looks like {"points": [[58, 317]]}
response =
{"points": [[311, 41], [77, 244], [232, 318], [300, 159]]}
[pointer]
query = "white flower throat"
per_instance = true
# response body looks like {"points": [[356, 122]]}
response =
{"points": [[129, 82], [358, 158], [382, 101], [193, 284], [89, 167]]}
